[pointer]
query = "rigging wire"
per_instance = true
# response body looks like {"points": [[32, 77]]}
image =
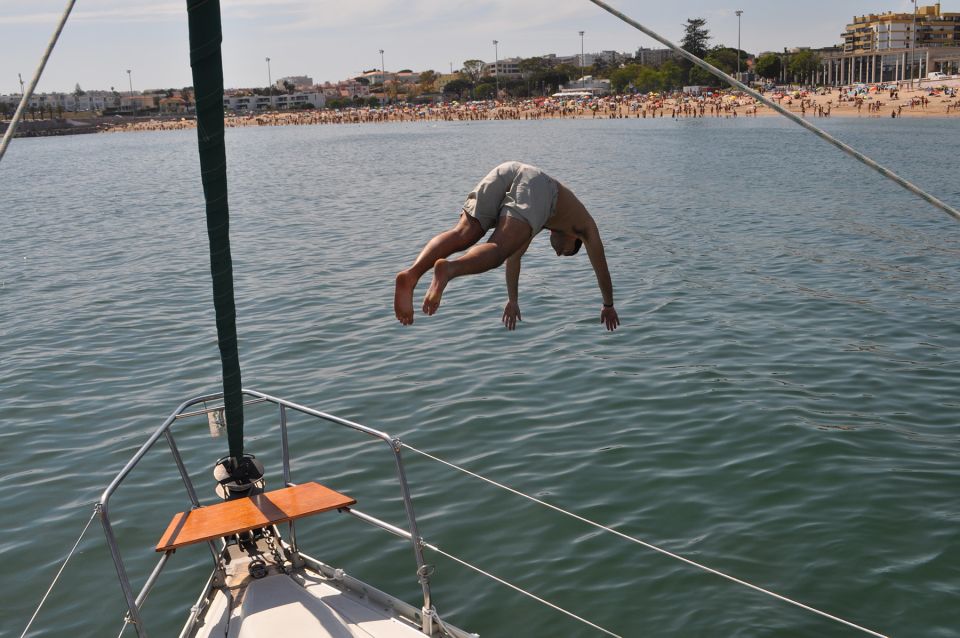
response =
{"points": [[12, 128], [953, 212], [644, 544], [518, 589], [57, 577]]}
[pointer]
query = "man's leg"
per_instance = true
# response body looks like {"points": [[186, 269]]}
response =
{"points": [[510, 235], [466, 233]]}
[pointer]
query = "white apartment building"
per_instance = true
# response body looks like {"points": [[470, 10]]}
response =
{"points": [[927, 27], [93, 101], [653, 57], [272, 102], [586, 84], [507, 68], [376, 77], [885, 48], [611, 57]]}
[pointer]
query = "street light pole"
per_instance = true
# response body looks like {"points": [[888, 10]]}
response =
{"points": [[496, 67], [582, 72], [133, 103], [269, 77], [913, 44], [383, 76], [739, 13]]}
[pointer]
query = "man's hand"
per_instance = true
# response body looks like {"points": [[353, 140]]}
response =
{"points": [[609, 317], [511, 315]]}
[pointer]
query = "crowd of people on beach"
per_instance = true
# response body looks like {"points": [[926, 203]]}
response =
{"points": [[676, 105]]}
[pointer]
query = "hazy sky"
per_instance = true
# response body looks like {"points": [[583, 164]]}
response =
{"points": [[331, 40]]}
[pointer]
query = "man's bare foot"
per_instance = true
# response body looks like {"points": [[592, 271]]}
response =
{"points": [[441, 276], [403, 297]]}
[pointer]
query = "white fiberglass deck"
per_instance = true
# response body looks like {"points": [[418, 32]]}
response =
{"points": [[302, 604]]}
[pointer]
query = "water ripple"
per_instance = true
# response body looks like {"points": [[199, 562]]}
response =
{"points": [[779, 402]]}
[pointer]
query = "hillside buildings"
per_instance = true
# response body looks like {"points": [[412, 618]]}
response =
{"points": [[111, 102], [876, 47], [250, 102], [880, 32], [653, 57], [894, 47]]}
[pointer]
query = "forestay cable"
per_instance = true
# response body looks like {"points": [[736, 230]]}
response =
{"points": [[57, 577], [33, 83], [645, 544], [953, 212], [518, 589]]}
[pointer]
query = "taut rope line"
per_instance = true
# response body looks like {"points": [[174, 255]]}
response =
{"points": [[852, 152], [645, 544], [33, 83], [59, 572], [518, 589]]}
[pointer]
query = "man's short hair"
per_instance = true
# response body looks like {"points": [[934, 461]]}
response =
{"points": [[576, 247]]}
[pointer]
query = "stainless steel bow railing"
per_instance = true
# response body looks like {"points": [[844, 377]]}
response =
{"points": [[135, 601]]}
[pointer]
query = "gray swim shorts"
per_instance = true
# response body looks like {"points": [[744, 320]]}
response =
{"points": [[513, 189]]}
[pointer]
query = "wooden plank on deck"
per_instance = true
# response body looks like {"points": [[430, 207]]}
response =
{"points": [[251, 512]]}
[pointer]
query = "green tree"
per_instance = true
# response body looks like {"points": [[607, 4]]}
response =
{"points": [[803, 65], [623, 77], [724, 58], [701, 77], [473, 69], [768, 66], [556, 76], [695, 37], [539, 73], [78, 91], [695, 40], [428, 81], [515, 87], [602, 67], [484, 91], [672, 74], [649, 79], [457, 87], [531, 66]]}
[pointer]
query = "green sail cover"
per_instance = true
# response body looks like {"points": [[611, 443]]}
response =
{"points": [[207, 64]]}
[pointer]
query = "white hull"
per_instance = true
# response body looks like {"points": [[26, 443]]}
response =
{"points": [[313, 600]]}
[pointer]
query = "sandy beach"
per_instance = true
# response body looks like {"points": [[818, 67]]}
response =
{"points": [[876, 102]]}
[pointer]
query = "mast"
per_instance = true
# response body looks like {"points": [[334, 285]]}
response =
{"points": [[207, 65]]}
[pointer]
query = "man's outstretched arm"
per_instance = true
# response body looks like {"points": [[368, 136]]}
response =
{"points": [[511, 312], [598, 259]]}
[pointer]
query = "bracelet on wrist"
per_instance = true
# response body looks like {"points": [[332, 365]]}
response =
{"points": [[608, 305]]}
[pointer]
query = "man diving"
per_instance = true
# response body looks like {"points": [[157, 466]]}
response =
{"points": [[518, 201]]}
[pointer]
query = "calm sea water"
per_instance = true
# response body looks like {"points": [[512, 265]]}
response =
{"points": [[780, 402]]}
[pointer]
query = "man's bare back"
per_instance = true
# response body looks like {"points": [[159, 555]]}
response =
{"points": [[523, 200]]}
